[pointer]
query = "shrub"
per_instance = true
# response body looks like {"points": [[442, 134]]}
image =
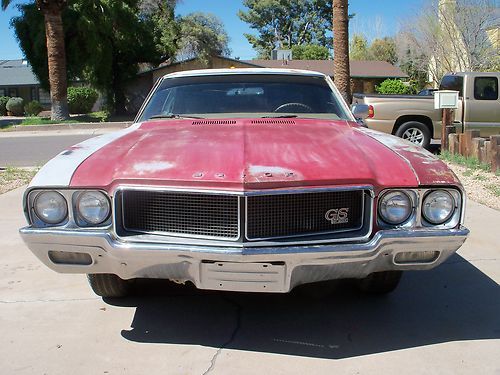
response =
{"points": [[3, 103], [15, 106], [33, 108], [395, 86], [81, 99]]}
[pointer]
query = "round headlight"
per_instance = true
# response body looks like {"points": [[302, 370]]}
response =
{"points": [[50, 207], [93, 207], [438, 207], [395, 207]]}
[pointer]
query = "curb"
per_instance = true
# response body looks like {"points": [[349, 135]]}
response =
{"points": [[73, 126]]}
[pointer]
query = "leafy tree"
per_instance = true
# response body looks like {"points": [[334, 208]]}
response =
{"points": [[395, 86], [358, 48], [51, 11], [310, 52], [106, 41], [341, 70], [384, 50], [287, 23], [202, 35]]}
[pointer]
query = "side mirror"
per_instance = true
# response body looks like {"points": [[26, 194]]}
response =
{"points": [[360, 111]]}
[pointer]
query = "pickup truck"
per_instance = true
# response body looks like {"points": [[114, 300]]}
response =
{"points": [[413, 117]]}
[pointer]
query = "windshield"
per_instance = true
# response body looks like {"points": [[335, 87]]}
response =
{"points": [[244, 95]]}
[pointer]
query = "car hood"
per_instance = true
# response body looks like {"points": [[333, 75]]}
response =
{"points": [[244, 154]]}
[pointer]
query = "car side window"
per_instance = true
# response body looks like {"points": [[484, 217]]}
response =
{"points": [[452, 82], [486, 88]]}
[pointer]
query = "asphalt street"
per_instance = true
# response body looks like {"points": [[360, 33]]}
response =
{"points": [[18, 149], [444, 321]]}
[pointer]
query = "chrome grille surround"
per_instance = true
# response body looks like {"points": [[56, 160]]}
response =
{"points": [[360, 233]]}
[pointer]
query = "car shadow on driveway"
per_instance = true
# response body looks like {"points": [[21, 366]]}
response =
{"points": [[454, 302]]}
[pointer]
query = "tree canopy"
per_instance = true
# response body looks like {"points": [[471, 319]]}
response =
{"points": [[383, 49], [287, 23], [106, 40], [202, 35], [310, 52]]}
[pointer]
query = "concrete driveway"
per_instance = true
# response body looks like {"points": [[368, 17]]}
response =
{"points": [[444, 321]]}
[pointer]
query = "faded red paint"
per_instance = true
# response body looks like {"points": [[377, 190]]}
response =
{"points": [[246, 156]]}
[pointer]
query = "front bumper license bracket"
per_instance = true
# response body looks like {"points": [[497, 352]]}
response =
{"points": [[243, 277]]}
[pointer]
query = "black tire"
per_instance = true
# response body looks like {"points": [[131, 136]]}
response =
{"points": [[380, 282], [415, 132], [109, 285]]}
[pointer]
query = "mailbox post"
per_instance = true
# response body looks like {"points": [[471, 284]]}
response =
{"points": [[447, 100]]}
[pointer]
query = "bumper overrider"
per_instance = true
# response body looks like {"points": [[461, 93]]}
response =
{"points": [[255, 269]]}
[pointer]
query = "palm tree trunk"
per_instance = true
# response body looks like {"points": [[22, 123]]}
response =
{"points": [[341, 71], [56, 60]]}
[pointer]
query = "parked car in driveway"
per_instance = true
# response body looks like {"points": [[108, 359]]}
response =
{"points": [[253, 180], [413, 117]]}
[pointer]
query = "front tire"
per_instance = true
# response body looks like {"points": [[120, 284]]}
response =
{"points": [[109, 285], [416, 133], [380, 282]]}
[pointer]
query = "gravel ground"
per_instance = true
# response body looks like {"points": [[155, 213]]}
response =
{"points": [[11, 178], [481, 186]]}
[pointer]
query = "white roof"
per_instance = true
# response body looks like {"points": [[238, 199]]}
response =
{"points": [[216, 72]]}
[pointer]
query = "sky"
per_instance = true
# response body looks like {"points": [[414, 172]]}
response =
{"points": [[374, 18]]}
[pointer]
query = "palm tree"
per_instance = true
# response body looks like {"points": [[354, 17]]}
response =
{"points": [[52, 11], [341, 72]]}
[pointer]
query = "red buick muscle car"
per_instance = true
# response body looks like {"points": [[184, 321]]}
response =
{"points": [[245, 180]]}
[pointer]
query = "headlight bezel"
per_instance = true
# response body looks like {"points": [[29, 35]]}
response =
{"points": [[417, 219], [411, 200], [426, 196], [72, 220], [39, 218], [80, 218]]}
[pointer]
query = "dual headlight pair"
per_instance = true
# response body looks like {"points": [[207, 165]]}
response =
{"points": [[396, 207], [91, 208]]}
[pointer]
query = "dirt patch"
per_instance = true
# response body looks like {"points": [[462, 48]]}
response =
{"points": [[481, 186], [11, 178]]}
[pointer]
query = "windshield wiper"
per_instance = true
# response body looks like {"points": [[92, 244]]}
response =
{"points": [[173, 115], [280, 116]]}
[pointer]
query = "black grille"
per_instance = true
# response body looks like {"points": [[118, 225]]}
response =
{"points": [[271, 216], [179, 213]]}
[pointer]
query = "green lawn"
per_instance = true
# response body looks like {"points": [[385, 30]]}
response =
{"points": [[471, 163]]}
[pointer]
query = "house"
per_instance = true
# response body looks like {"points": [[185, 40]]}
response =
{"points": [[18, 80], [364, 74]]}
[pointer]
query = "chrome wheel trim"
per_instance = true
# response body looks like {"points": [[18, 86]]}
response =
{"points": [[414, 135]]}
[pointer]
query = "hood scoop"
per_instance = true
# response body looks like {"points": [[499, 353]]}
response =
{"points": [[214, 122]]}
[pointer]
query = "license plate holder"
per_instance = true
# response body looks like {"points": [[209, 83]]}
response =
{"points": [[243, 276]]}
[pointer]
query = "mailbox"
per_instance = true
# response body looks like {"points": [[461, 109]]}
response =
{"points": [[445, 99]]}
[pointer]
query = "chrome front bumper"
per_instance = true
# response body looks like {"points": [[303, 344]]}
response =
{"points": [[257, 269]]}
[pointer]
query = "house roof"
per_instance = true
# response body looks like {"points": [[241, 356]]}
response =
{"points": [[359, 69], [16, 73]]}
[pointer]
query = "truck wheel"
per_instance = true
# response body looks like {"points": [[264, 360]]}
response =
{"points": [[380, 282], [415, 132], [109, 285]]}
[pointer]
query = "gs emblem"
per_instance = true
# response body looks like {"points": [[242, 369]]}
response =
{"points": [[337, 215]]}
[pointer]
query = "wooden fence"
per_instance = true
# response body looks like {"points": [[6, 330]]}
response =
{"points": [[470, 144]]}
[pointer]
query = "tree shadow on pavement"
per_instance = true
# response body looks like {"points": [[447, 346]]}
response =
{"points": [[454, 302]]}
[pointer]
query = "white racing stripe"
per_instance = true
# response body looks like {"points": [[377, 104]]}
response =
{"points": [[59, 170]]}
